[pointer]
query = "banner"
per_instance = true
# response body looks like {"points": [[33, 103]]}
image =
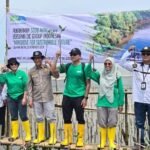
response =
{"points": [[101, 34], [45, 33]]}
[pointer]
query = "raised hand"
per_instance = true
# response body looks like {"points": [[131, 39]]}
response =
{"points": [[47, 61], [131, 48], [91, 57], [58, 54]]}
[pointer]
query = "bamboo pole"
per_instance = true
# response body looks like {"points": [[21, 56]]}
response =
{"points": [[5, 60], [7, 47], [126, 119]]}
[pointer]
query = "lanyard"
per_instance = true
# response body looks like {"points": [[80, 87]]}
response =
{"points": [[145, 73]]}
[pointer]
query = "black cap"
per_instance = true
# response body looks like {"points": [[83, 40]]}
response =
{"points": [[37, 54], [12, 61], [146, 49], [75, 51]]}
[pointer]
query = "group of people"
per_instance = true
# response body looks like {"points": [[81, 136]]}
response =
{"points": [[36, 87]]}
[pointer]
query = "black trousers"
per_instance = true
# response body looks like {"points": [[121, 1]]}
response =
{"points": [[73, 103], [142, 111], [15, 107], [2, 119]]}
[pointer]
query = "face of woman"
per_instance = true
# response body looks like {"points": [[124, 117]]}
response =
{"points": [[14, 66], [108, 65]]}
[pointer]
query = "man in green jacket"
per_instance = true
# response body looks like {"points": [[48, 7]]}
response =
{"points": [[75, 96]]}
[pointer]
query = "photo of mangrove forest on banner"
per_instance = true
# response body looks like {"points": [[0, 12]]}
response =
{"points": [[117, 31]]}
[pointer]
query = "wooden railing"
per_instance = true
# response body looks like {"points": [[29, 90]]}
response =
{"points": [[126, 131]]}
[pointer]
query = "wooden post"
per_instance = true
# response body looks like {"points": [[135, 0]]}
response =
{"points": [[93, 56], [126, 118], [7, 11], [6, 52]]}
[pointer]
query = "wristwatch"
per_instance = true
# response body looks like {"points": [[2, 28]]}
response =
{"points": [[86, 97]]}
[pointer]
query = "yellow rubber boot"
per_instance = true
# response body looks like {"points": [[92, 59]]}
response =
{"points": [[70, 133], [111, 137], [103, 132], [26, 126], [80, 140], [67, 135], [41, 133], [14, 130], [52, 139]]}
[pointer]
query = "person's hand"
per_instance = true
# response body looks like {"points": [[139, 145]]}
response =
{"points": [[24, 101], [91, 57], [58, 54], [3, 68], [47, 61], [30, 103], [84, 103], [120, 109], [131, 48], [5, 102]]}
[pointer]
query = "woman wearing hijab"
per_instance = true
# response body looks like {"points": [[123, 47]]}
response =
{"points": [[16, 81], [110, 100]]}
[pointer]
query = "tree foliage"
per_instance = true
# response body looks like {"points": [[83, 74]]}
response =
{"points": [[112, 28]]}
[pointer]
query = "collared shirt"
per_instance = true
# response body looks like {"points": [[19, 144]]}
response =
{"points": [[40, 84], [139, 95]]}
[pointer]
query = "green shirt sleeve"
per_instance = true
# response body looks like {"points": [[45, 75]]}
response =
{"points": [[121, 91], [87, 71], [2, 78], [29, 86], [25, 81], [62, 68], [94, 75]]}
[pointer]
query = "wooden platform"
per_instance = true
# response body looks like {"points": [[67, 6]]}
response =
{"points": [[45, 144], [5, 141]]}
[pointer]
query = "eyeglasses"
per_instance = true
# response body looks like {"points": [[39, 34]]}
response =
{"points": [[13, 64], [109, 64], [37, 58], [145, 53], [73, 54]]}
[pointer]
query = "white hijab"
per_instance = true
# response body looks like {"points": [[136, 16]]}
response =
{"points": [[107, 80]]}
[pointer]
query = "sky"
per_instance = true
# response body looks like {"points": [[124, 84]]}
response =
{"points": [[36, 7]]}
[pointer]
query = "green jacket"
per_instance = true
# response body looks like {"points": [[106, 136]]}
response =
{"points": [[118, 92], [16, 83]]}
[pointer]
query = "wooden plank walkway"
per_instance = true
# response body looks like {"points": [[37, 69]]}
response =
{"points": [[45, 144]]}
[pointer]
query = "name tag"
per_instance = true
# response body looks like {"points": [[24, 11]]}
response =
{"points": [[143, 86], [134, 65]]}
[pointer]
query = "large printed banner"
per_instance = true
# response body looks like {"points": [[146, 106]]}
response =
{"points": [[101, 34], [48, 34]]}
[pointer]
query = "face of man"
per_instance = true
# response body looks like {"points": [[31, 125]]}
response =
{"points": [[75, 57], [38, 61], [146, 57]]}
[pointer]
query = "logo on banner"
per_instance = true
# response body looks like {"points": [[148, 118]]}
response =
{"points": [[17, 19]]}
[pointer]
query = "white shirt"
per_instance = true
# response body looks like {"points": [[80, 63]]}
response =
{"points": [[3, 95], [139, 95]]}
